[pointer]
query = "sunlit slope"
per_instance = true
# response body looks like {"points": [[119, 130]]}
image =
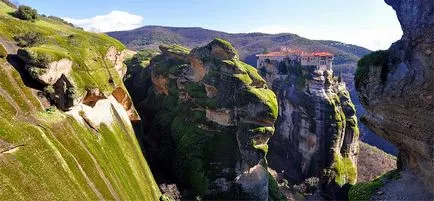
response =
{"points": [[48, 155]]}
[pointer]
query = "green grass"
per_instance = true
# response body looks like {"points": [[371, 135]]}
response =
{"points": [[86, 50], [60, 158], [364, 191]]}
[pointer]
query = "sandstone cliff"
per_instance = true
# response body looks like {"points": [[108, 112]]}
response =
{"points": [[65, 117], [316, 131], [396, 87], [209, 117]]}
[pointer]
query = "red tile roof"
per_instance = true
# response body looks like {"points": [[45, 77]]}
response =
{"points": [[322, 54], [297, 52]]}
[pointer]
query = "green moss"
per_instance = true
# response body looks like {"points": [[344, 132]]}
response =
{"points": [[267, 97], [244, 78], [3, 52], [86, 50], [61, 158], [261, 147], [176, 49], [190, 145], [273, 189], [345, 170], [264, 130], [364, 191], [225, 44], [250, 70]]}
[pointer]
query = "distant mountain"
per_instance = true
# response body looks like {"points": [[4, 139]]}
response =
{"points": [[250, 44], [247, 44]]}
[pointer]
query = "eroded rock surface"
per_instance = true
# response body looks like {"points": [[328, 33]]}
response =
{"points": [[316, 131], [396, 87], [209, 117]]}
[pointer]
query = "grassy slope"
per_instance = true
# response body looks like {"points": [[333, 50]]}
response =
{"points": [[87, 50], [373, 162], [58, 158]]}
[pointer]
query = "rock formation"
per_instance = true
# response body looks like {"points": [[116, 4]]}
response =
{"points": [[209, 117], [316, 131], [396, 87], [65, 117]]}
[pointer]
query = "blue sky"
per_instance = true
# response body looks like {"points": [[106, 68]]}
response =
{"points": [[369, 23]]}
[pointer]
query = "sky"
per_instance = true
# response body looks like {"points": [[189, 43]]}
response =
{"points": [[368, 23]]}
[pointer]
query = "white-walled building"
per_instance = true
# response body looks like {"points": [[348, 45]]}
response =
{"points": [[322, 60]]}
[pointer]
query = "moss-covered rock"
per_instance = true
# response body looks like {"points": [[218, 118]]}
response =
{"points": [[316, 132], [87, 153], [215, 115]]}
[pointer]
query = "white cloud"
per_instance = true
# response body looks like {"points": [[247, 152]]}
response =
{"points": [[373, 38], [113, 21]]}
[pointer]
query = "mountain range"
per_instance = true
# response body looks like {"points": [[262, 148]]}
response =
{"points": [[247, 44]]}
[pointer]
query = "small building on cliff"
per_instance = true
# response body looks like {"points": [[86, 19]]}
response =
{"points": [[321, 60]]}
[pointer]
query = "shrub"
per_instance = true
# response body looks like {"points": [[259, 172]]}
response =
{"points": [[26, 13], [312, 184], [379, 59], [48, 90], [58, 19], [29, 39]]}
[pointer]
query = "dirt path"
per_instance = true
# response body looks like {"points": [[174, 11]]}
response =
{"points": [[408, 187]]}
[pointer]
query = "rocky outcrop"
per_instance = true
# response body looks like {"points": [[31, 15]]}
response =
{"points": [[396, 87], [209, 117], [316, 131], [65, 117], [46, 72]]}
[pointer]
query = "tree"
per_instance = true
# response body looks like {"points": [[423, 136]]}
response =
{"points": [[265, 51], [26, 13]]}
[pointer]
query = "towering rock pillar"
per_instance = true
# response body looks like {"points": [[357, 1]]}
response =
{"points": [[316, 131]]}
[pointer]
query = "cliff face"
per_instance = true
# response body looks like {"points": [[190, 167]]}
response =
{"points": [[209, 117], [65, 117], [396, 87], [316, 132]]}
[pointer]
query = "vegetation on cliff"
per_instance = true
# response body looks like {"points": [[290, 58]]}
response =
{"points": [[378, 59], [57, 40], [48, 154], [215, 109]]}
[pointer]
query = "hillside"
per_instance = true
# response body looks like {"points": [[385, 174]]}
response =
{"points": [[65, 130], [247, 44]]}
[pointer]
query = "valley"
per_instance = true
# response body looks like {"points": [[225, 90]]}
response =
{"points": [[160, 113]]}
